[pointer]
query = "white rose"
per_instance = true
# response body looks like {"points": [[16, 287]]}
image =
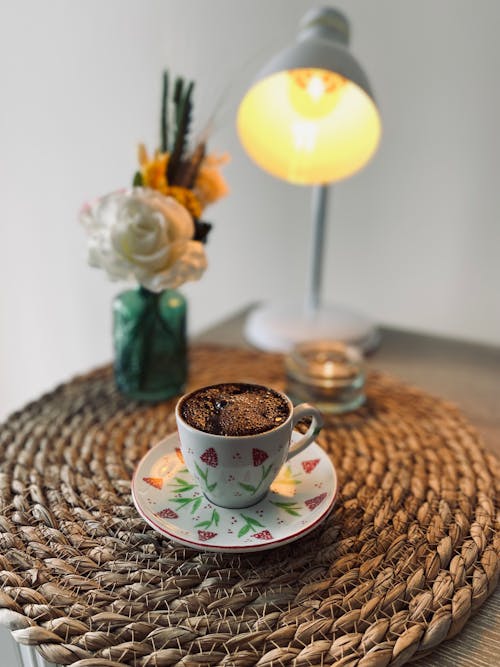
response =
{"points": [[140, 233]]}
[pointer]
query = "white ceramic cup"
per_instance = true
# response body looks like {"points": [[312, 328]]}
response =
{"points": [[237, 471]]}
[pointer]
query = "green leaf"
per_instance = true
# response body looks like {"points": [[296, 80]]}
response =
{"points": [[182, 486], [178, 86], [244, 530], [182, 501], [164, 113], [290, 508], [291, 511], [251, 521], [247, 487], [211, 487], [203, 524], [197, 504], [216, 517], [138, 180], [200, 472]]}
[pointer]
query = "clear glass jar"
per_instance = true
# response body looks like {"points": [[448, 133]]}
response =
{"points": [[329, 374]]}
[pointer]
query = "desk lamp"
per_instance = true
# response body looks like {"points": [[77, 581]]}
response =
{"points": [[310, 119]]}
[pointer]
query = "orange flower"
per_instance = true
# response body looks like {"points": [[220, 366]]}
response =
{"points": [[185, 197], [153, 170], [210, 184]]}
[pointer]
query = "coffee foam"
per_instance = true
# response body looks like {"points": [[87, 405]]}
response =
{"points": [[234, 409]]}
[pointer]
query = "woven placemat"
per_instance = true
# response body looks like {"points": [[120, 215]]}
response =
{"points": [[410, 551]]}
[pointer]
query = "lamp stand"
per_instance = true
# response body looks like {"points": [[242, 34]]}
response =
{"points": [[320, 196], [278, 327]]}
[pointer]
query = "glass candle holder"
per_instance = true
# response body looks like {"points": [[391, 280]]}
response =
{"points": [[329, 374]]}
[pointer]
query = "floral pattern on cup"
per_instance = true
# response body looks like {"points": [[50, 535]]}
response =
{"points": [[192, 502], [258, 459]]}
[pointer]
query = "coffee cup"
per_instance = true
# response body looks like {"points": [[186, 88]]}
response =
{"points": [[235, 437]]}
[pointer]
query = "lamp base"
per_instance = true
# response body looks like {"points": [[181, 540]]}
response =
{"points": [[278, 327]]}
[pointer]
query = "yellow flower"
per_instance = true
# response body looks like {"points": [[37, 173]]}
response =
{"points": [[210, 184], [154, 169], [185, 197]]}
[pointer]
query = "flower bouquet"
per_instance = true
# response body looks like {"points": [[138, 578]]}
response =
{"points": [[153, 233]]}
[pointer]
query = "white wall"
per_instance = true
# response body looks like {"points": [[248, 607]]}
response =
{"points": [[413, 240]]}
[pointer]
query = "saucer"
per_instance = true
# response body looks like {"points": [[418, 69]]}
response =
{"points": [[170, 500]]}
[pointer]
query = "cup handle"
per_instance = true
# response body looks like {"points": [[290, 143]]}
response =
{"points": [[299, 412]]}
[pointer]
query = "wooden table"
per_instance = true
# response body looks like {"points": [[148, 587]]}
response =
{"points": [[469, 375]]}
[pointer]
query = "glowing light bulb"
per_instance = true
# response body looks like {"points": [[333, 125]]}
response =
{"points": [[316, 88], [314, 93]]}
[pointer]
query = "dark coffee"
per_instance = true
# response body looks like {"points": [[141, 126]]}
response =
{"points": [[234, 409]]}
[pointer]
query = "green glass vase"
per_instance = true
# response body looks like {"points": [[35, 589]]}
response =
{"points": [[149, 336]]}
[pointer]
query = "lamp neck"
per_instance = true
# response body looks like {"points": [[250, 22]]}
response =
{"points": [[313, 288], [325, 23]]}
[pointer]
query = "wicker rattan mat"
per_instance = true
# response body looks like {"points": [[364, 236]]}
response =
{"points": [[408, 554]]}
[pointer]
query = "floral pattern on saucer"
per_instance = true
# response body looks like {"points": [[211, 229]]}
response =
{"points": [[171, 501]]}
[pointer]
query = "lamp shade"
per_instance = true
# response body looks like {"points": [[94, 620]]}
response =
{"points": [[310, 117]]}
